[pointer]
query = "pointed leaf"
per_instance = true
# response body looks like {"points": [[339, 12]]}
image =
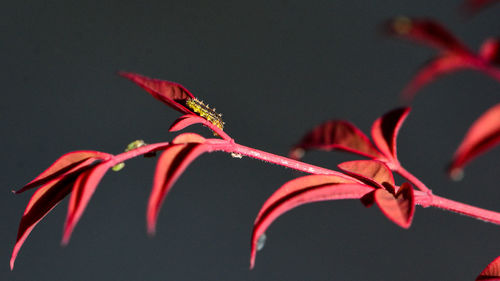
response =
{"points": [[481, 136], [398, 208], [171, 164], [425, 31], [432, 70], [385, 132], [40, 204], [84, 188], [490, 50], [301, 183], [170, 93], [302, 196], [491, 272], [66, 164], [188, 120], [373, 171], [335, 134]]}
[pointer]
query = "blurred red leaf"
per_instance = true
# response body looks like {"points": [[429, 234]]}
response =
{"points": [[66, 164], [432, 70], [454, 55], [298, 192], [481, 136], [336, 135], [385, 131], [491, 272], [425, 31], [375, 172], [171, 164], [490, 50], [171, 93], [474, 6], [398, 207]]}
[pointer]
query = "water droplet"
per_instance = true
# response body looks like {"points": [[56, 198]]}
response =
{"points": [[261, 242]]}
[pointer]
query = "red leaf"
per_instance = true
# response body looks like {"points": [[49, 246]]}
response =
{"points": [[66, 164], [490, 50], [336, 135], [301, 183], [84, 188], [425, 31], [436, 67], [473, 6], [491, 272], [186, 121], [171, 164], [171, 93], [385, 132], [40, 204], [481, 136], [299, 195], [398, 208], [188, 138], [375, 172]]}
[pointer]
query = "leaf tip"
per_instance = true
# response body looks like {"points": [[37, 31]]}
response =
{"points": [[12, 260]]}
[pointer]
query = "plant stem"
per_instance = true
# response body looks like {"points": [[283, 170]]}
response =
{"points": [[414, 180], [426, 200], [233, 147], [423, 197]]}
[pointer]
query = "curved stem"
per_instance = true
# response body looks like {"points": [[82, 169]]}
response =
{"points": [[414, 180], [232, 147], [423, 197]]}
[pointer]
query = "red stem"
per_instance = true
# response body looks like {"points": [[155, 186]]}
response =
{"points": [[425, 198], [414, 180], [233, 147]]}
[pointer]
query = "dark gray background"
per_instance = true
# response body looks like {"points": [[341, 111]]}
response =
{"points": [[274, 69]]}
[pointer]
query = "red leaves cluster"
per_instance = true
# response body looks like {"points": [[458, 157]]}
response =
{"points": [[69, 172], [371, 181], [453, 54], [78, 173], [342, 135]]}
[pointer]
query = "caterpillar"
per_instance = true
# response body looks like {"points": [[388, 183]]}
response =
{"points": [[206, 112]]}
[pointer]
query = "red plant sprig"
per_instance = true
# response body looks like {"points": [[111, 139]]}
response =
{"points": [[342, 135], [77, 174], [453, 56]]}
